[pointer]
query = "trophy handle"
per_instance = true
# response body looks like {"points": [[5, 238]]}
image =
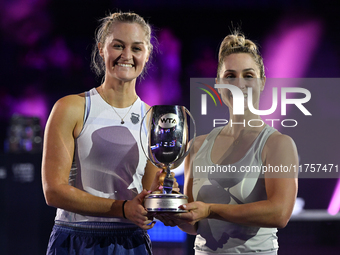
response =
{"points": [[194, 136]]}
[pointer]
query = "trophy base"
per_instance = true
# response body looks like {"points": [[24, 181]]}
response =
{"points": [[157, 202]]}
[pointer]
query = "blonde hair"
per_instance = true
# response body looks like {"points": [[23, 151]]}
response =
{"points": [[104, 29], [237, 43]]}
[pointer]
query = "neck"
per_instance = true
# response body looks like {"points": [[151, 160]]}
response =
{"points": [[240, 124], [119, 94]]}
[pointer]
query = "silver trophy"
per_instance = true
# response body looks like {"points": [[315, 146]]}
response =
{"points": [[167, 146]]}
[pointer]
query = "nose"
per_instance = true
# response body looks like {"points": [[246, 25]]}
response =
{"points": [[240, 83], [126, 54], [243, 84]]}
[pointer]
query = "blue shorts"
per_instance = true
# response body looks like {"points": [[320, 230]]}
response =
{"points": [[96, 238]]}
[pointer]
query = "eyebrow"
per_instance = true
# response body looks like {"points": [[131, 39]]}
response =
{"points": [[244, 70], [118, 40]]}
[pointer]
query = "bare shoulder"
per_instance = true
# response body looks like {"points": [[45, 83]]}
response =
{"points": [[279, 146], [71, 101], [278, 140], [68, 112], [70, 106]]}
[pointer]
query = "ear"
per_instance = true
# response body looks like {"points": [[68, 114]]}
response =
{"points": [[263, 80], [147, 58], [100, 49]]}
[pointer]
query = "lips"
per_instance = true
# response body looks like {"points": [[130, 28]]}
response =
{"points": [[124, 64]]}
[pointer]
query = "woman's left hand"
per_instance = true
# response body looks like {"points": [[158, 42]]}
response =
{"points": [[196, 212], [156, 184]]}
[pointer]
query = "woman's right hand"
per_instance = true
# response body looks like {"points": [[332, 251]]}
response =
{"points": [[168, 219], [136, 213], [172, 220]]}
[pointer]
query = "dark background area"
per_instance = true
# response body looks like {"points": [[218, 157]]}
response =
{"points": [[45, 49]]}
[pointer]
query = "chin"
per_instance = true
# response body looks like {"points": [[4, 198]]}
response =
{"points": [[125, 78]]}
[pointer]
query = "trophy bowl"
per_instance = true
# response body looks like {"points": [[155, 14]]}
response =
{"points": [[166, 147]]}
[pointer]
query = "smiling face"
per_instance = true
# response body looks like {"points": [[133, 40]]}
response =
{"points": [[125, 51], [240, 69]]}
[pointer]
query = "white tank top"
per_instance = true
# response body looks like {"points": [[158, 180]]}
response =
{"points": [[217, 236], [108, 161]]}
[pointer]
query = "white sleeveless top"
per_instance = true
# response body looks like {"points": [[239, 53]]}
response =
{"points": [[217, 236], [108, 161]]}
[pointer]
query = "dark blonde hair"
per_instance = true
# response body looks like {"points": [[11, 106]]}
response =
{"points": [[237, 43], [97, 63]]}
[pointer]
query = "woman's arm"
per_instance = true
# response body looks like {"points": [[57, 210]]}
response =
{"points": [[151, 176], [281, 189], [63, 126]]}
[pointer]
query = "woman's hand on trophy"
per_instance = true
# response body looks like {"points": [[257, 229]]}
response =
{"points": [[196, 211], [157, 184], [169, 219], [175, 186], [172, 219], [134, 211]]}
